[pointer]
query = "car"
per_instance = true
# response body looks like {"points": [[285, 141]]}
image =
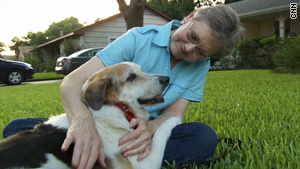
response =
{"points": [[65, 65], [14, 72]]}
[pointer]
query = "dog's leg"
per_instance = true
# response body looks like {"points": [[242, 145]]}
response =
{"points": [[159, 141], [60, 121], [54, 163]]}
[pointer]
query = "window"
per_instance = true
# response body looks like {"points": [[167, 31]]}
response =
{"points": [[287, 28], [271, 30], [90, 53], [111, 39], [295, 27]]}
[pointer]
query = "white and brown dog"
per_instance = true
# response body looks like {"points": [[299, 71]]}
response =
{"points": [[114, 95]]}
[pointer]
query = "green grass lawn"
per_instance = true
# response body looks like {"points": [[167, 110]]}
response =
{"points": [[256, 106], [46, 76]]}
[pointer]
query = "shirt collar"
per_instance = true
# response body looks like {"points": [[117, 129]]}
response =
{"points": [[163, 37], [163, 33]]}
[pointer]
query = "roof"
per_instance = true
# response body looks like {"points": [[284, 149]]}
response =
{"points": [[247, 8], [82, 30], [158, 12]]}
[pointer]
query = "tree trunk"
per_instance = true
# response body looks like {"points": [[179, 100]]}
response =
{"points": [[134, 13]]}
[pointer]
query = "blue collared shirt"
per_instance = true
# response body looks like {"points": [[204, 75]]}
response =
{"points": [[149, 47]]}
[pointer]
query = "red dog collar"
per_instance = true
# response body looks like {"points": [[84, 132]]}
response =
{"points": [[125, 109]]}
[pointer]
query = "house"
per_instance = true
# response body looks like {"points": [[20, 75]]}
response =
{"points": [[23, 52], [101, 33], [8, 57], [268, 17]]}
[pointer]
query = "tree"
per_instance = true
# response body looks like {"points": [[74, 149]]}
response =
{"points": [[69, 25], [35, 38], [230, 1], [201, 3], [133, 14], [31, 39], [98, 19], [1, 48], [16, 43], [176, 9]]}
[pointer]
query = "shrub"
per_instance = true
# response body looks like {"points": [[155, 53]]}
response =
{"points": [[40, 67], [245, 51], [70, 47], [287, 55], [269, 45], [255, 53], [50, 65], [280, 70], [37, 64], [225, 63]]}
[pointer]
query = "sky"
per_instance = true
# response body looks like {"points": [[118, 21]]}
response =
{"points": [[18, 17]]}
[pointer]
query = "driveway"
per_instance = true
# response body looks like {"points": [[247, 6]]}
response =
{"points": [[35, 82]]}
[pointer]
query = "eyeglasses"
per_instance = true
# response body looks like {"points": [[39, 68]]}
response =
{"points": [[194, 39]]}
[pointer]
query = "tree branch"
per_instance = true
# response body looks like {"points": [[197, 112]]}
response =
{"points": [[122, 6], [134, 13], [139, 2]]}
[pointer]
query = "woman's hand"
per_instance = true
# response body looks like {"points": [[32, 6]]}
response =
{"points": [[88, 145], [141, 137]]}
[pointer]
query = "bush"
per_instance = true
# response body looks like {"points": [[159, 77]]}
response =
{"points": [[70, 47], [269, 45], [40, 67], [225, 63], [37, 64], [287, 56], [280, 70], [256, 53], [50, 65]]}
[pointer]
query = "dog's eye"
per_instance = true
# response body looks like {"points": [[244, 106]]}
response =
{"points": [[131, 77]]}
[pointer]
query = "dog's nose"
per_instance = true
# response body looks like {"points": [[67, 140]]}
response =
{"points": [[164, 80]]}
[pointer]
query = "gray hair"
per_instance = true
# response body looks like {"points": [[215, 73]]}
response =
{"points": [[225, 25]]}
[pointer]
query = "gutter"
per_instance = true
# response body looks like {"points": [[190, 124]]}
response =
{"points": [[266, 11], [57, 39]]}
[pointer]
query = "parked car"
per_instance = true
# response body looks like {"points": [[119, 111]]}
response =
{"points": [[65, 65], [14, 73]]}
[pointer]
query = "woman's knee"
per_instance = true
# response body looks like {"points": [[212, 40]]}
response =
{"points": [[21, 124], [11, 127], [194, 141], [203, 135], [208, 139]]}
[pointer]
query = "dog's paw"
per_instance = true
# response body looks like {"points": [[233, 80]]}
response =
{"points": [[170, 123], [175, 120]]}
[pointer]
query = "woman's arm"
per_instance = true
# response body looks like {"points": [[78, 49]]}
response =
{"points": [[178, 108], [82, 132], [145, 130]]}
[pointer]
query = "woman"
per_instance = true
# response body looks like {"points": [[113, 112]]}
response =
{"points": [[179, 50]]}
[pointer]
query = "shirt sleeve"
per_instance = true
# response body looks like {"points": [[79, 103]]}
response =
{"points": [[121, 50], [194, 91]]}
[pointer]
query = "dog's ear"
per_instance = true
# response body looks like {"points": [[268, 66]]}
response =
{"points": [[94, 93]]}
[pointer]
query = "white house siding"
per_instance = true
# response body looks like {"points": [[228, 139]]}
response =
{"points": [[99, 35], [151, 18]]}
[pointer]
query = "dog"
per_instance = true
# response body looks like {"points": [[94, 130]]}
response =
{"points": [[114, 95]]}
